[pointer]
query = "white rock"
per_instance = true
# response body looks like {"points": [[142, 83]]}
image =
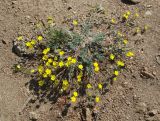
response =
{"points": [[33, 115]]}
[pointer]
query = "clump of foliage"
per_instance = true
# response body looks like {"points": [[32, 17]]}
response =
{"points": [[79, 64]]}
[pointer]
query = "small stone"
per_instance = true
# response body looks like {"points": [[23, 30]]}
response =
{"points": [[149, 119], [14, 2], [4, 42], [146, 74], [33, 116], [148, 13], [158, 59], [135, 1], [153, 112], [148, 6], [88, 115], [141, 107]]}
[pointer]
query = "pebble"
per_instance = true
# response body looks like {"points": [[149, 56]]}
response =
{"points": [[148, 13], [148, 6], [158, 59], [33, 116], [141, 107], [135, 1], [153, 112]]}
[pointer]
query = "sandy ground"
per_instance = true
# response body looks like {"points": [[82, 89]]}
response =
{"points": [[131, 98]]}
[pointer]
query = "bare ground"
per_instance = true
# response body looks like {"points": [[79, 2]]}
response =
{"points": [[134, 97]]}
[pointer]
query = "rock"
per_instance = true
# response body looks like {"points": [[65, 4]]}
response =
{"points": [[146, 74], [33, 115], [141, 107], [149, 119], [19, 48], [148, 13], [153, 112], [148, 6], [158, 59], [88, 115], [100, 9], [4, 42], [135, 1]]}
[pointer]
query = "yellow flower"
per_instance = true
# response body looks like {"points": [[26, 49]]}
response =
{"points": [[45, 51], [32, 71], [115, 78], [54, 63], [120, 63], [53, 77], [33, 42], [116, 73], [64, 87], [41, 83], [45, 75], [61, 64], [50, 20], [113, 21], [61, 53], [73, 60], [40, 38], [79, 79], [20, 38], [48, 64], [129, 54], [128, 13], [100, 86], [119, 34], [89, 86], [80, 66], [96, 69], [28, 44], [73, 99], [68, 63], [125, 16], [45, 57], [75, 94], [79, 76], [136, 15], [50, 60], [138, 30], [95, 64], [65, 82], [48, 71], [125, 41], [111, 56], [40, 69], [75, 22], [97, 99], [69, 58]]}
